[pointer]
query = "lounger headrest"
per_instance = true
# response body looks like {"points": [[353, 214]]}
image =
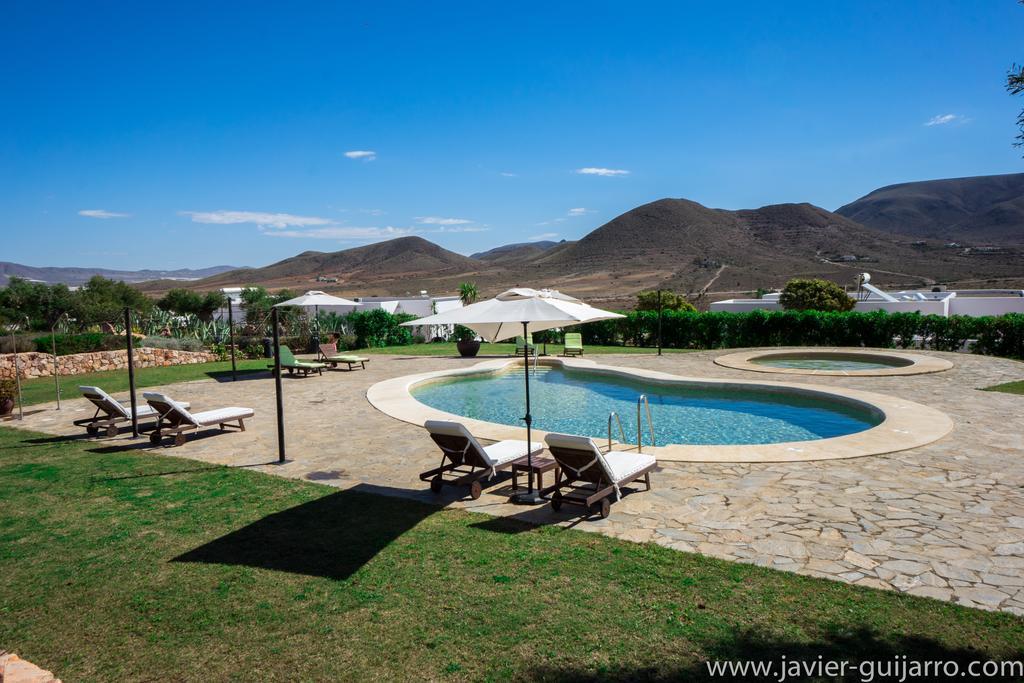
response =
{"points": [[164, 399], [93, 391], [579, 443], [98, 397], [447, 427]]}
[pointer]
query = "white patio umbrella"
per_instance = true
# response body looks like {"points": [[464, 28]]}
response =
{"points": [[520, 311], [316, 299]]}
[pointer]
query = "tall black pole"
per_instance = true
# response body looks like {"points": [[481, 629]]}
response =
{"points": [[277, 388], [659, 321], [17, 374], [231, 338], [131, 370], [528, 418]]}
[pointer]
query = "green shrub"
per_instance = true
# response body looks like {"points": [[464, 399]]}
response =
{"points": [[86, 342], [815, 295], [378, 328], [183, 344]]}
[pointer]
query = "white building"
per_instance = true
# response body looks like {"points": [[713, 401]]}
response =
{"points": [[972, 302]]}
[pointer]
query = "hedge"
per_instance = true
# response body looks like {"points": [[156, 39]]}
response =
{"points": [[86, 342], [993, 335]]}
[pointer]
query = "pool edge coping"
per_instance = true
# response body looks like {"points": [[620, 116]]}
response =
{"points": [[920, 363], [905, 424]]}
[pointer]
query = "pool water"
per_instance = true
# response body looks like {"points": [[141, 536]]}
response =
{"points": [[821, 364], [830, 362], [578, 402]]}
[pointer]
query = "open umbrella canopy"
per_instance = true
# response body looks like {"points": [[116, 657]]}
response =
{"points": [[503, 316], [316, 298]]}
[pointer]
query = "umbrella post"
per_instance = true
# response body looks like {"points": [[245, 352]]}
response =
{"points": [[531, 497], [659, 321], [277, 389], [231, 339], [131, 370]]}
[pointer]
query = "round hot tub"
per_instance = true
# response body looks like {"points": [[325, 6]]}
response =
{"points": [[834, 362]]}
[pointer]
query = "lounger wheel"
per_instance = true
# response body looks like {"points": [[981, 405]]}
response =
{"points": [[179, 440], [602, 508], [556, 501], [92, 430], [436, 484], [112, 430], [154, 438], [475, 489]]}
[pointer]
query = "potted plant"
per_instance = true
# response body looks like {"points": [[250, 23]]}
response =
{"points": [[466, 342], [8, 392]]}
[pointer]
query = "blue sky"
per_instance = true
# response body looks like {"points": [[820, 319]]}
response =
{"points": [[165, 135]]}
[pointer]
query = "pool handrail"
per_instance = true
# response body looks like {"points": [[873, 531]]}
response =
{"points": [[642, 398], [622, 433]]}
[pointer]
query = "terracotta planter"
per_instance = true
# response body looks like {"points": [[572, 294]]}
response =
{"points": [[468, 349], [6, 406]]}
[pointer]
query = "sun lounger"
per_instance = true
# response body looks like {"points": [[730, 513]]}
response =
{"points": [[292, 364], [111, 412], [588, 477], [573, 344], [461, 450], [329, 354], [174, 419], [521, 344]]}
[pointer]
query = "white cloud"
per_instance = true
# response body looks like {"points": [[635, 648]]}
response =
{"points": [[943, 119], [363, 154], [579, 211], [344, 233], [461, 228], [508, 174], [542, 237], [438, 220], [102, 213], [267, 220], [590, 170]]}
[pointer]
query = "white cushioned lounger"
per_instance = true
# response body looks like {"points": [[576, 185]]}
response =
{"points": [[175, 419], [113, 411], [461, 448]]}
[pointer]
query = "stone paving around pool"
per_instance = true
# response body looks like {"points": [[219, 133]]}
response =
{"points": [[945, 520]]}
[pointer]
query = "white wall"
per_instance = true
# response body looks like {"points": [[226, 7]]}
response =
{"points": [[986, 305]]}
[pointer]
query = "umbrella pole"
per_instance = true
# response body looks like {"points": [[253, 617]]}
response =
{"points": [[531, 497], [277, 389], [131, 370]]}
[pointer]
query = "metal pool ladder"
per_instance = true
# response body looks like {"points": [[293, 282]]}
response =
{"points": [[622, 434], [641, 399]]}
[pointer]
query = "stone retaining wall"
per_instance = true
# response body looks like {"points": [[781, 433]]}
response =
{"points": [[36, 364]]}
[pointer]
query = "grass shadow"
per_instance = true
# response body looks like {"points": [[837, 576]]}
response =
{"points": [[882, 659], [330, 537], [243, 375]]}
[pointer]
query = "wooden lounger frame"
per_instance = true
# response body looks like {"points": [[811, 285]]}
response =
{"points": [[589, 487], [178, 429], [109, 422], [458, 454]]}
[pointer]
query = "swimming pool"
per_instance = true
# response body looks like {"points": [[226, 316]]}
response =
{"points": [[578, 401], [830, 361], [835, 362]]}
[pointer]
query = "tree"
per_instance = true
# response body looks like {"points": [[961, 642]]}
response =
{"points": [[670, 301], [815, 295], [1015, 86], [468, 293], [181, 301], [102, 300]]}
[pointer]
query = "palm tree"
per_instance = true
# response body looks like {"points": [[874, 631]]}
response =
{"points": [[468, 293]]}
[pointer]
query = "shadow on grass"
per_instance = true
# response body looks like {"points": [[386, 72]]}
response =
{"points": [[330, 537], [883, 658]]}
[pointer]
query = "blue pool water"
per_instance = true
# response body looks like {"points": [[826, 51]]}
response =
{"points": [[578, 402]]}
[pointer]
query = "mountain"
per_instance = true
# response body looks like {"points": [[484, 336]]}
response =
{"points": [[671, 243], [979, 210], [390, 265], [79, 276], [520, 251]]}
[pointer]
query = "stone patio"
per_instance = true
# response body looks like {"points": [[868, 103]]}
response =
{"points": [[945, 520]]}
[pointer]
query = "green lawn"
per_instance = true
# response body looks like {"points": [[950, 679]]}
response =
{"points": [[122, 565], [1008, 388], [500, 349], [42, 390]]}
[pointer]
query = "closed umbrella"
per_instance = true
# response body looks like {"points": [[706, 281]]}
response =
{"points": [[520, 310]]}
